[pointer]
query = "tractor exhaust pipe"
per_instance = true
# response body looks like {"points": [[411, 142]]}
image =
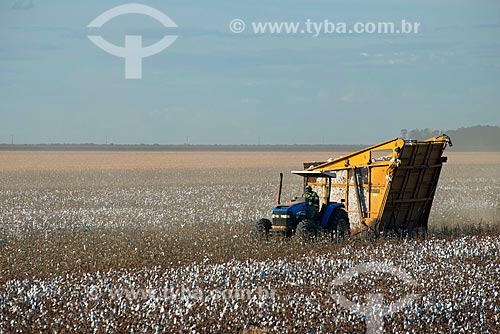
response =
{"points": [[278, 197]]}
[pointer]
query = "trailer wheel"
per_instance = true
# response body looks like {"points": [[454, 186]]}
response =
{"points": [[262, 228], [338, 225], [307, 230]]}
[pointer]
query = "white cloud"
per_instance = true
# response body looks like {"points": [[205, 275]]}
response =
{"points": [[249, 100], [23, 4]]}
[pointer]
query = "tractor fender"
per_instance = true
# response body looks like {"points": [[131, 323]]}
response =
{"points": [[328, 212]]}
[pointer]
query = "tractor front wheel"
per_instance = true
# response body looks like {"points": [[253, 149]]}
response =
{"points": [[262, 228], [307, 230]]}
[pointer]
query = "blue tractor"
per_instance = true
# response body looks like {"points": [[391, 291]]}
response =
{"points": [[331, 218]]}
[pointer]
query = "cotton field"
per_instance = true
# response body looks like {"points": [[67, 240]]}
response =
{"points": [[162, 250], [456, 283]]}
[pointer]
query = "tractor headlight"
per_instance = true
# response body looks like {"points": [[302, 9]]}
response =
{"points": [[280, 216]]}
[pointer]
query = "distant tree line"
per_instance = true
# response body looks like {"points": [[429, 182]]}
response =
{"points": [[421, 134], [475, 138]]}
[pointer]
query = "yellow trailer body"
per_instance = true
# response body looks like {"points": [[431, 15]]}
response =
{"points": [[385, 187]]}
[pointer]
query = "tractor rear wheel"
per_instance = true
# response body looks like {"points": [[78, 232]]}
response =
{"points": [[307, 230], [262, 228], [338, 225]]}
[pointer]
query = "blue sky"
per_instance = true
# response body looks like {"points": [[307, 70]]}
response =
{"points": [[218, 87]]}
